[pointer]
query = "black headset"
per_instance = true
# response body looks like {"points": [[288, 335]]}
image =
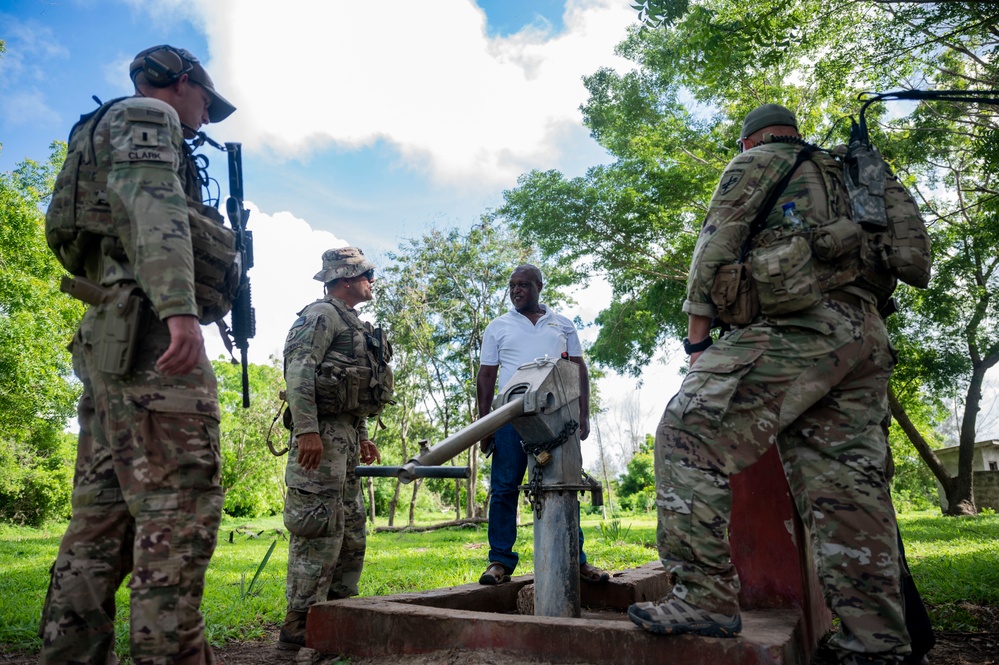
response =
{"points": [[163, 65]]}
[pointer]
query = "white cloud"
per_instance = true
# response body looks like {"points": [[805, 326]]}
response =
{"points": [[27, 108], [287, 253], [424, 77]]}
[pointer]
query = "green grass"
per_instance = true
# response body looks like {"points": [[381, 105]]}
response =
{"points": [[955, 562]]}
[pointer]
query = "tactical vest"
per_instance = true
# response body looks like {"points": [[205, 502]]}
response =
{"points": [[79, 217], [359, 384], [792, 269]]}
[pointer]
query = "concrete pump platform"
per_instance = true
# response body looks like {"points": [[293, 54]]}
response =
{"points": [[476, 617], [783, 616]]}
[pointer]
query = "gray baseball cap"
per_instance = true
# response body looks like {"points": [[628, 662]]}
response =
{"points": [[343, 263], [765, 116]]}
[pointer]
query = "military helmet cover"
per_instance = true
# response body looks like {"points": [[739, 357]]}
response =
{"points": [[176, 61], [766, 116], [343, 263]]}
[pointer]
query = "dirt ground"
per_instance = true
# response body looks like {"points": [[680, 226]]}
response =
{"points": [[951, 649]]}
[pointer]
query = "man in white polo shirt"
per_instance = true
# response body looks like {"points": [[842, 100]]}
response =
{"points": [[531, 330]]}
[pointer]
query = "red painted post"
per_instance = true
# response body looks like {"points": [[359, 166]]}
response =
{"points": [[770, 547]]}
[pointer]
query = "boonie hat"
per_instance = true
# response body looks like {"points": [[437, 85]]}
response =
{"points": [[343, 263], [765, 116], [177, 61]]}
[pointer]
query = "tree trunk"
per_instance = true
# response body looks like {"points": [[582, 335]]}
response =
{"points": [[603, 471], [394, 502], [412, 501], [473, 465], [403, 432], [951, 486], [371, 499]]}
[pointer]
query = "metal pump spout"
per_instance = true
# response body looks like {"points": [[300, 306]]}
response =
{"points": [[542, 403]]}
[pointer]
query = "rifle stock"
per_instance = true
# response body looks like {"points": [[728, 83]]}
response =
{"points": [[244, 324]]}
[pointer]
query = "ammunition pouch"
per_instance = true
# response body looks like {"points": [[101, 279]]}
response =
{"points": [[785, 276], [734, 295], [832, 241], [120, 322], [349, 389], [216, 268]]}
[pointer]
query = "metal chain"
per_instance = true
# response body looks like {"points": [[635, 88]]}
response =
{"points": [[532, 492]]}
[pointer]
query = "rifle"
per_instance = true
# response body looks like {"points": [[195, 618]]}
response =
{"points": [[244, 320]]}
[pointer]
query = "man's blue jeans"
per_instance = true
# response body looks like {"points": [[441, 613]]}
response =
{"points": [[509, 465]]}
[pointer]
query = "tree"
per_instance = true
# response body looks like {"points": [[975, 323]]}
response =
{"points": [[252, 478], [672, 123], [38, 392], [637, 487]]}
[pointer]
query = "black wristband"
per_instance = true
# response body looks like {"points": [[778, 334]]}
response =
{"points": [[691, 349]]}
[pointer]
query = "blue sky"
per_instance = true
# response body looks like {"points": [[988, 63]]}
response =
{"points": [[361, 123]]}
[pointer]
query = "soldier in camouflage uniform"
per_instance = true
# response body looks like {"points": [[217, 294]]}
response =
{"points": [[811, 381], [146, 493], [337, 375]]}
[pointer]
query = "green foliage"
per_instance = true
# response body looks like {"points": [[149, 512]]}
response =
{"points": [[955, 562], [637, 486], [246, 590], [37, 481], [37, 390], [612, 532], [671, 126], [253, 479]]}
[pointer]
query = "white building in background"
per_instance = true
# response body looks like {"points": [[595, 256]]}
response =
{"points": [[986, 470]]}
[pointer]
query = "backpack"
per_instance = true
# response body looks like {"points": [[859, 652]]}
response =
{"points": [[886, 210]]}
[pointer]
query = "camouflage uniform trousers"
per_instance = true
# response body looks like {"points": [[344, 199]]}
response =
{"points": [[146, 491], [816, 385], [324, 512]]}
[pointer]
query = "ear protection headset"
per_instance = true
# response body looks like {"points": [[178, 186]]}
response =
{"points": [[163, 65]]}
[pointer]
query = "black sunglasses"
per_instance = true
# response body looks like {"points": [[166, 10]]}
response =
{"points": [[368, 275]]}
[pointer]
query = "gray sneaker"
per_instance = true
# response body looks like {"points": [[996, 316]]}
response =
{"points": [[673, 616]]}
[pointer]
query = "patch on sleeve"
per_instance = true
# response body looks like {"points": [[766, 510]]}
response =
{"points": [[145, 136], [145, 115], [730, 181]]}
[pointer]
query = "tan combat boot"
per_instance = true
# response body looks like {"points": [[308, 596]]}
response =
{"points": [[292, 637]]}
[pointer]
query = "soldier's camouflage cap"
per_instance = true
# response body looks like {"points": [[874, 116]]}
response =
{"points": [[343, 263], [765, 116], [172, 63]]}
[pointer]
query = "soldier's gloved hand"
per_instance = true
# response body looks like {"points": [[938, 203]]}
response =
{"points": [[186, 346], [369, 452], [310, 450], [584, 428], [487, 445]]}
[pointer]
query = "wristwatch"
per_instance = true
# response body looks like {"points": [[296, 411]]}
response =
{"points": [[691, 349]]}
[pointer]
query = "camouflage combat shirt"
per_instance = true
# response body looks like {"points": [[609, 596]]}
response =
{"points": [[140, 142], [744, 186], [318, 331]]}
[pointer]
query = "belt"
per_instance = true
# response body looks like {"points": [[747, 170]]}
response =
{"points": [[352, 420], [851, 299]]}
